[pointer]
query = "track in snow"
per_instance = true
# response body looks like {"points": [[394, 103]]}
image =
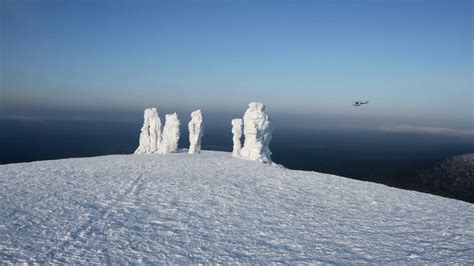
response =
{"points": [[213, 208], [85, 229]]}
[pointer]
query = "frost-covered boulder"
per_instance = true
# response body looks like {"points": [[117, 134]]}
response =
{"points": [[236, 136], [171, 134], [258, 134], [196, 131], [150, 136]]}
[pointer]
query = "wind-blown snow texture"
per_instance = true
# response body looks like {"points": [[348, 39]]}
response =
{"points": [[214, 208]]}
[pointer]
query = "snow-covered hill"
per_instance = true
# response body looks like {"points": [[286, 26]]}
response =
{"points": [[214, 208]]}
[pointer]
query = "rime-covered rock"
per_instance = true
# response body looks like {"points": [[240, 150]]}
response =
{"points": [[196, 131], [150, 135], [236, 136], [267, 138], [171, 134], [155, 130], [258, 134]]}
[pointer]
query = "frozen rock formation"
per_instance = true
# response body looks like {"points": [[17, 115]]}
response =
{"points": [[267, 137], [150, 136], [155, 130], [144, 142], [258, 134], [236, 135], [171, 134], [196, 131]]}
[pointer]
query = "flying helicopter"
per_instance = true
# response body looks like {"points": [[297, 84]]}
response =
{"points": [[357, 103]]}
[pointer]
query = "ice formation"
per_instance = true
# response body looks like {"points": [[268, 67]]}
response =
{"points": [[258, 134], [150, 136], [196, 131], [236, 135], [171, 134], [155, 130]]}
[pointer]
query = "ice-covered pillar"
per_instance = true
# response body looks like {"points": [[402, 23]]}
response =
{"points": [[267, 137], [171, 134], [155, 130], [150, 136], [144, 142], [236, 136], [258, 134], [196, 132]]}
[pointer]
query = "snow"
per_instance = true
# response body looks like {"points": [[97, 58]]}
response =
{"points": [[258, 133], [196, 131], [212, 208], [171, 135], [236, 136]]}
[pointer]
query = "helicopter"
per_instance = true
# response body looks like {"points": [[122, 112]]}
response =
{"points": [[357, 103]]}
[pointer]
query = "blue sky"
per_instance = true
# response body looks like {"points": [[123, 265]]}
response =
{"points": [[411, 59]]}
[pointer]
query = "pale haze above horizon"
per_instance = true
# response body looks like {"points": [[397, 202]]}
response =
{"points": [[412, 60]]}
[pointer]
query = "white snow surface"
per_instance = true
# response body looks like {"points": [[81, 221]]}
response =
{"points": [[182, 208]]}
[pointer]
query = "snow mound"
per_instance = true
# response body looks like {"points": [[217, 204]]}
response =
{"points": [[212, 208]]}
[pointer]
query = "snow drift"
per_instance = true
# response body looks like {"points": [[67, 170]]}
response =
{"points": [[212, 208]]}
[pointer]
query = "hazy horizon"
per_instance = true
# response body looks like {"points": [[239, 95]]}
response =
{"points": [[411, 59]]}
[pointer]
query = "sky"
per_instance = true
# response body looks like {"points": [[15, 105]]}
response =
{"points": [[413, 60]]}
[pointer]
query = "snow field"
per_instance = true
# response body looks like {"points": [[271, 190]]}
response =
{"points": [[182, 208]]}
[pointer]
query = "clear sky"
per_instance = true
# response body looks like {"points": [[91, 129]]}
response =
{"points": [[411, 59]]}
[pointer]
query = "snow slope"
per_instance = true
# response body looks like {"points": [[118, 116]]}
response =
{"points": [[215, 208]]}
